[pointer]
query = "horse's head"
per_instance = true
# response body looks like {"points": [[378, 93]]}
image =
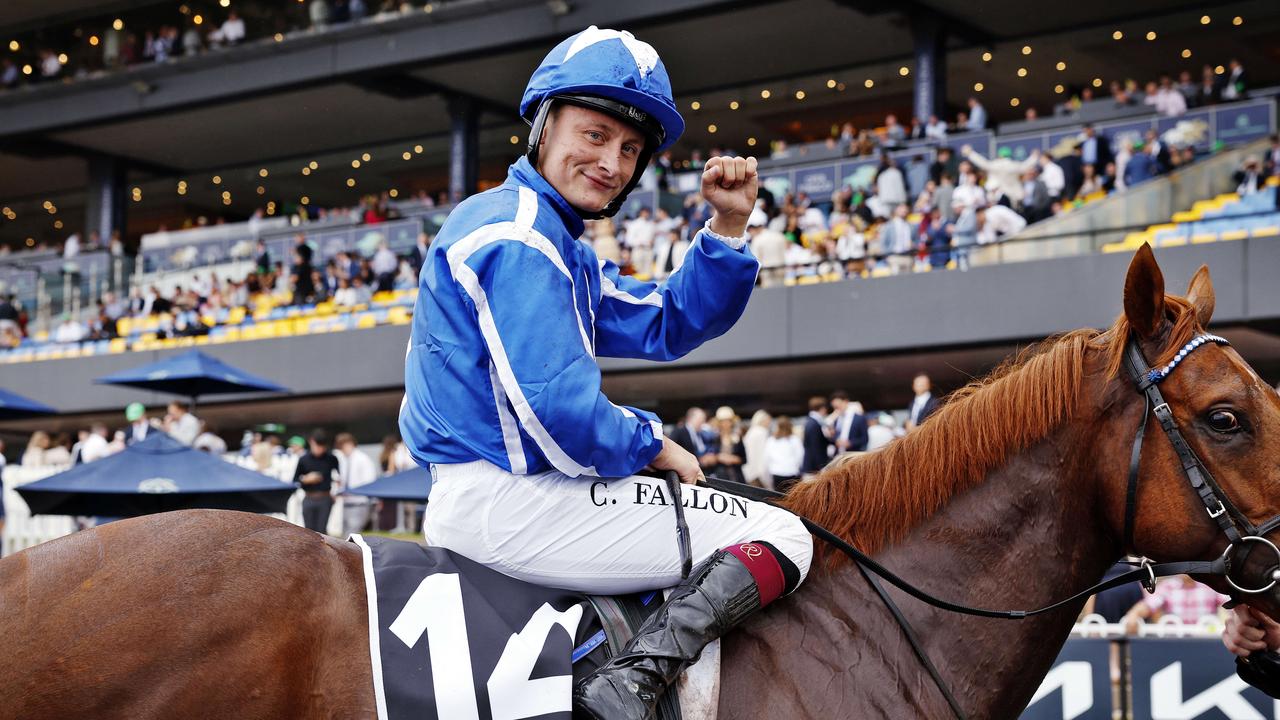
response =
{"points": [[1230, 420]]}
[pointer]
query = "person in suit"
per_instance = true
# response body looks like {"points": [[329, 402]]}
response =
{"points": [[1072, 173], [924, 405], [850, 425], [688, 435], [140, 427], [1095, 149], [419, 254], [817, 444]]}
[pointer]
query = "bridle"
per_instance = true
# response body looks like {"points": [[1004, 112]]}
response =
{"points": [[1242, 535]]}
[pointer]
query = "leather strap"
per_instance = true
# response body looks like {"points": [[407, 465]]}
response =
{"points": [[682, 526]]}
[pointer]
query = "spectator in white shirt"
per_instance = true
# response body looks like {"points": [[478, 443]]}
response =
{"points": [[640, 233], [784, 453], [754, 441], [770, 248], [879, 431], [95, 446], [935, 128], [233, 29], [891, 186], [181, 424], [208, 441], [71, 247], [997, 222], [355, 469], [69, 331], [897, 240], [384, 265], [1053, 178]]}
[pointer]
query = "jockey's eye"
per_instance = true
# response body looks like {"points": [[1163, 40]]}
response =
{"points": [[595, 136], [1224, 421]]}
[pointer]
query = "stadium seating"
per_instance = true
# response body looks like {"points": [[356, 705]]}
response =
{"points": [[1225, 217]]}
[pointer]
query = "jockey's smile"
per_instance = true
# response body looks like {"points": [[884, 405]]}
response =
{"points": [[588, 156]]}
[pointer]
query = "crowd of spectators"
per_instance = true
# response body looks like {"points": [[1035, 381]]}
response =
{"points": [[104, 45], [898, 216]]}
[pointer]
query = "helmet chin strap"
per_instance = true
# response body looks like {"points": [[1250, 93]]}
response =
{"points": [[536, 128]]}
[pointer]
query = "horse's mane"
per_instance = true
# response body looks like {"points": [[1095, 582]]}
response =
{"points": [[873, 500]]}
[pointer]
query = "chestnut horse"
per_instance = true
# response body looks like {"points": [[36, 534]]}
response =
{"points": [[1012, 495]]}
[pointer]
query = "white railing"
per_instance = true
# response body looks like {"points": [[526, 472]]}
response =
{"points": [[21, 529], [1168, 626]]}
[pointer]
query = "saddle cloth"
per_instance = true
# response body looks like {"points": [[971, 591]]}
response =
{"points": [[450, 639]]}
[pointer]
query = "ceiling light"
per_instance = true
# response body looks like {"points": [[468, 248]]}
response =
{"points": [[712, 128], [351, 182], [1117, 35], [1186, 53], [1151, 35], [695, 105], [366, 157], [765, 94], [1014, 102], [217, 179], [904, 71], [409, 156], [986, 57], [417, 149], [799, 94], [1237, 20], [1204, 20], [1022, 72], [14, 46], [751, 142], [1026, 49], [733, 105], [355, 163], [306, 171], [262, 172], [977, 87], [869, 83], [1058, 89], [831, 84], [305, 200], [262, 190], [1061, 65], [118, 24], [313, 165], [1097, 82]]}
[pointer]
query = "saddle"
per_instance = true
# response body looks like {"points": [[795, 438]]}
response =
{"points": [[452, 639]]}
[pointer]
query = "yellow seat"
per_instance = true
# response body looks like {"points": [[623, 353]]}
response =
{"points": [[881, 272], [202, 340], [1234, 235], [1199, 238], [399, 315], [124, 325], [366, 321], [236, 316], [1186, 216], [325, 308], [117, 346], [1273, 181], [1267, 231], [384, 297], [1177, 241]]}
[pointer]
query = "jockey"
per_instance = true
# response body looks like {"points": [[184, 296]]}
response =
{"points": [[534, 468]]}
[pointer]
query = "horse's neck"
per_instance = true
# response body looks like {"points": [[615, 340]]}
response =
{"points": [[1024, 538], [1027, 537]]}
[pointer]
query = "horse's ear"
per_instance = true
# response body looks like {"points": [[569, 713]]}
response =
{"points": [[1200, 295], [1144, 293]]}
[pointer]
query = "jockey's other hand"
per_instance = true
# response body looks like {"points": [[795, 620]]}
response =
{"points": [[1248, 631], [730, 186], [681, 461]]}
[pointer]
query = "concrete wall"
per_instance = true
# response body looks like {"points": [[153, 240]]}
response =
{"points": [[987, 305]]}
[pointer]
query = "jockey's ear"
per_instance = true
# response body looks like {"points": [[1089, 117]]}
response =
{"points": [[1144, 293], [1200, 295]]}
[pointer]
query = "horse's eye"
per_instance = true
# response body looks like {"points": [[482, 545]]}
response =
{"points": [[1224, 421]]}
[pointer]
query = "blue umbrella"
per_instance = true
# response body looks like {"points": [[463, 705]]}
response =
{"points": [[158, 474], [14, 406], [411, 485], [191, 374]]}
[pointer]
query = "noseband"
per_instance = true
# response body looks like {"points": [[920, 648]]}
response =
{"points": [[1242, 535]]}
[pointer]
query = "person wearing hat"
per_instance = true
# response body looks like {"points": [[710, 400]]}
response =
{"points": [[503, 396], [730, 451], [140, 427]]}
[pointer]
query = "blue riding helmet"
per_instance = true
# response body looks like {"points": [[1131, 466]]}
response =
{"points": [[611, 72]]}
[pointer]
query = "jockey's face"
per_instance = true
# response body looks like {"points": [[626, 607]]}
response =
{"points": [[588, 156]]}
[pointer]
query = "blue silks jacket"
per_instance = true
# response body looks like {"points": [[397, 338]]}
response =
{"points": [[512, 312]]}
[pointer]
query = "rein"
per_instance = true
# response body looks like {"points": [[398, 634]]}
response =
{"points": [[1216, 503]]}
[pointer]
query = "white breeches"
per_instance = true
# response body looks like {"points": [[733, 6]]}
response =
{"points": [[595, 535]]}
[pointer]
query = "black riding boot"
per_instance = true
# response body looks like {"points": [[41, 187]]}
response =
{"points": [[717, 596]]}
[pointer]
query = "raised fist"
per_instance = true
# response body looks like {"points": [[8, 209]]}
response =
{"points": [[730, 186]]}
